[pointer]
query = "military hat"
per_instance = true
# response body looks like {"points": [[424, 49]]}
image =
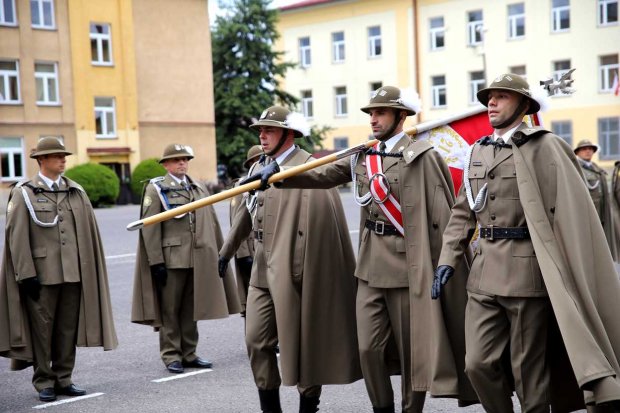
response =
{"points": [[585, 143], [512, 83], [281, 117], [395, 98], [48, 146], [254, 152], [174, 150]]}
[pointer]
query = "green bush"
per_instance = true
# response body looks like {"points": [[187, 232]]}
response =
{"points": [[100, 182], [145, 170]]}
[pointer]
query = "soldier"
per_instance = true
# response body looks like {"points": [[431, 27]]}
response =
{"points": [[176, 281], [53, 288], [400, 329], [244, 256], [596, 181], [542, 262], [302, 289]]}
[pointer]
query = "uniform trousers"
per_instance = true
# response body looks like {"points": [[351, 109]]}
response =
{"points": [[53, 326], [243, 274], [178, 335], [382, 314], [491, 324], [261, 338]]}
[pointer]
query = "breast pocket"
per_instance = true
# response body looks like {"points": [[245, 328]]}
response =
{"points": [[44, 211], [171, 248], [508, 188], [477, 176]]}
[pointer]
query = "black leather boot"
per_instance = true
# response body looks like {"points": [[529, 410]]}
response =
{"points": [[270, 400], [308, 404], [387, 409]]}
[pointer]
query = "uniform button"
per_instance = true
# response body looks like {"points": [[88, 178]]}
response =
{"points": [[62, 231], [492, 175], [63, 243], [492, 196], [552, 210], [493, 217], [301, 233], [375, 214], [435, 225], [60, 219], [259, 219], [59, 209], [260, 203]]}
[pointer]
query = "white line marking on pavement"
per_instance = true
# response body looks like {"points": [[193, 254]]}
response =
{"points": [[114, 257], [71, 400], [180, 376]]}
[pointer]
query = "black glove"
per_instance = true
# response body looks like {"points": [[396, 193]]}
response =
{"points": [[222, 266], [245, 263], [264, 175], [31, 287], [159, 274], [441, 277]]}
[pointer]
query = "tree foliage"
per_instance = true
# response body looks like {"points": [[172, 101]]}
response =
{"points": [[144, 171], [246, 77], [99, 181]]}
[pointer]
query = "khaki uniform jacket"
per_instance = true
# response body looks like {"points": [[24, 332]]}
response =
{"points": [[305, 250], [615, 205], [596, 178], [49, 253], [422, 180], [246, 248], [188, 242], [573, 258]]}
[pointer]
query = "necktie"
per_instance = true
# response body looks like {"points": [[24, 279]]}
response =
{"points": [[382, 147], [498, 146], [55, 186]]}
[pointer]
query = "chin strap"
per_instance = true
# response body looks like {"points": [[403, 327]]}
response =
{"points": [[522, 105], [279, 145]]}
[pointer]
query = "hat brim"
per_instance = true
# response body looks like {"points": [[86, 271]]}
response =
{"points": [[593, 146], [274, 124], [35, 155], [190, 157], [367, 108], [483, 97]]}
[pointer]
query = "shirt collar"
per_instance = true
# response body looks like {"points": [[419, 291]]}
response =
{"points": [[178, 181], [48, 181], [280, 158], [390, 143], [506, 136]]}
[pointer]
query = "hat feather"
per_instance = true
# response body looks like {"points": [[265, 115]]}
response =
{"points": [[297, 121]]}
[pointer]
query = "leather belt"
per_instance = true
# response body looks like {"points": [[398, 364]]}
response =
{"points": [[381, 228], [258, 235], [491, 233]]}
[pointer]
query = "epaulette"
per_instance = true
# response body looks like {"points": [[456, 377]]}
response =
{"points": [[156, 179], [525, 135]]}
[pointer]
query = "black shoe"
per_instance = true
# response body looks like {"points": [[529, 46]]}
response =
{"points": [[71, 390], [308, 404], [175, 367], [47, 395], [270, 400], [198, 363], [387, 409]]}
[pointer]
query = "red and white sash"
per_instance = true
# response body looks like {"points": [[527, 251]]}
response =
{"points": [[378, 189]]}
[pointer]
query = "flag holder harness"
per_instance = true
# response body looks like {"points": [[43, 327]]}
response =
{"points": [[30, 208]]}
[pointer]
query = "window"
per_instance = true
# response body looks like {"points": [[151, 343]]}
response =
{"points": [[341, 143], [476, 82], [609, 137], [100, 44], [305, 59], [374, 41], [474, 27], [516, 21], [607, 12], [9, 82], [46, 79], [7, 13], [341, 101], [608, 69], [11, 159], [438, 33], [338, 46], [105, 118], [559, 68], [518, 70], [439, 91], [564, 129], [374, 86], [42, 14], [560, 15], [307, 103]]}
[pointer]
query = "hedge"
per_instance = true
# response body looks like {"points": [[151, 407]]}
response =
{"points": [[99, 181], [144, 171]]}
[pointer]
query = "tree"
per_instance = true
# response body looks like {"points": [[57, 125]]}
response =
{"points": [[246, 77]]}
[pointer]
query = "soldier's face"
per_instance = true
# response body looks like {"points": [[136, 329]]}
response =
{"points": [[176, 166], [501, 106], [269, 137], [53, 165], [381, 120], [586, 153]]}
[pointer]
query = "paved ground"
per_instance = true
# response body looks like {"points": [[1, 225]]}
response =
{"points": [[126, 379]]}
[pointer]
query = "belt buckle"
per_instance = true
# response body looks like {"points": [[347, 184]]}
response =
{"points": [[259, 235], [490, 228], [379, 227]]}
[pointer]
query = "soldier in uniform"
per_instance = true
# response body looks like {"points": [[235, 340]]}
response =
{"points": [[405, 191], [53, 288], [176, 281], [596, 181], [544, 296], [302, 289], [244, 256]]}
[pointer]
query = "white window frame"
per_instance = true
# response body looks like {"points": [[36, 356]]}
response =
{"points": [[40, 6], [437, 91], [11, 152], [561, 124], [437, 32], [344, 143], [5, 76], [374, 40], [46, 78], [3, 19], [556, 17], [474, 86], [342, 109], [513, 20], [338, 48], [373, 88], [305, 52], [474, 29], [606, 75], [107, 133], [603, 18], [102, 38], [307, 104], [523, 75], [603, 137]]}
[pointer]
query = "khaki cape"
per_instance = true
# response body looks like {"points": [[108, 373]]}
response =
{"points": [[96, 324], [214, 297]]}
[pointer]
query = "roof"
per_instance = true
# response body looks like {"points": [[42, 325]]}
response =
{"points": [[305, 3]]}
